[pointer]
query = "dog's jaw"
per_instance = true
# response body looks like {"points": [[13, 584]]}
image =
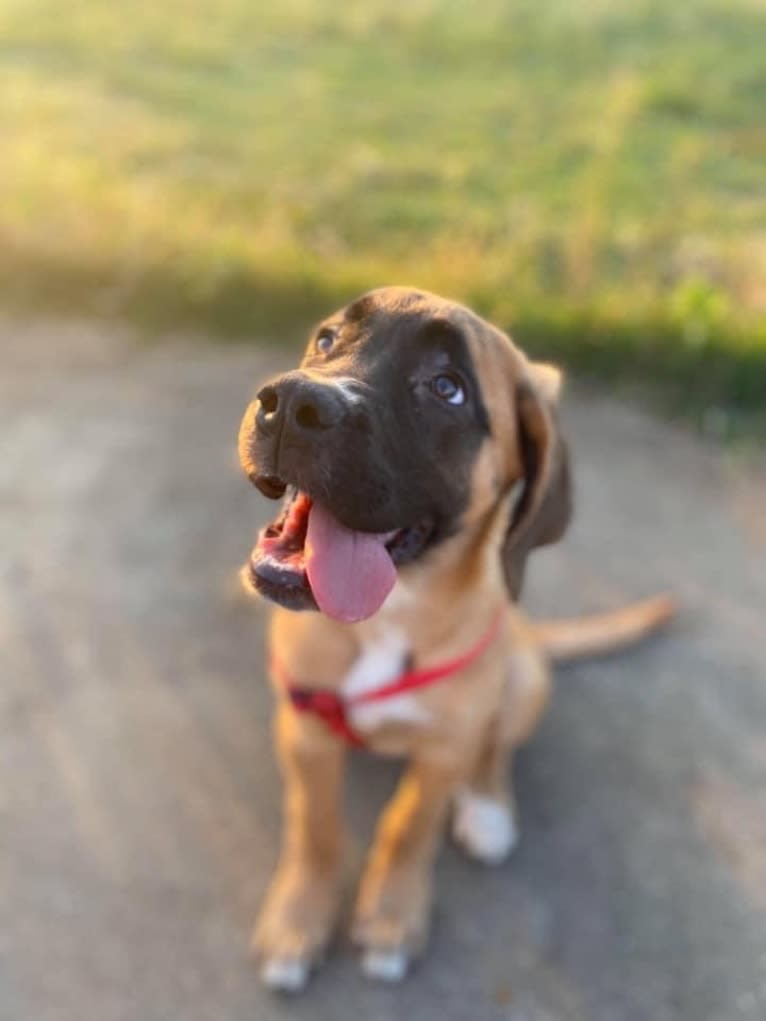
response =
{"points": [[305, 560]]}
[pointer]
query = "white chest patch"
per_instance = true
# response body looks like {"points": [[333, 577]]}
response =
{"points": [[380, 662]]}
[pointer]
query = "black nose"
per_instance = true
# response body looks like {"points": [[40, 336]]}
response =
{"points": [[295, 402]]}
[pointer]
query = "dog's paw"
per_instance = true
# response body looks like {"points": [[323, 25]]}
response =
{"points": [[294, 928], [391, 923], [385, 965], [484, 827], [285, 975], [387, 947]]}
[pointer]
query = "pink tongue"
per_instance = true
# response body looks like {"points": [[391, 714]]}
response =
{"points": [[350, 573]]}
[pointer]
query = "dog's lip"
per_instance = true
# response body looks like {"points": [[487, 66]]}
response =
{"points": [[271, 486], [286, 586], [276, 565], [274, 487], [279, 572]]}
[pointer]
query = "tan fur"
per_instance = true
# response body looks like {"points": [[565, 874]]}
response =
{"points": [[567, 640], [442, 607]]}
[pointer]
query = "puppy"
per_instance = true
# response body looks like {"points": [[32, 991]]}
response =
{"points": [[421, 461]]}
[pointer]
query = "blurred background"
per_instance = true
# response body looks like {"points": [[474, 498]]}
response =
{"points": [[178, 175], [591, 174]]}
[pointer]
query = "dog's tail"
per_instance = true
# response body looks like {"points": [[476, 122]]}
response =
{"points": [[579, 638]]}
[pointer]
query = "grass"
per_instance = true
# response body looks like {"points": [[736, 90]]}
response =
{"points": [[591, 174]]}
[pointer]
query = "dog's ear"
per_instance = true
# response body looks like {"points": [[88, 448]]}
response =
{"points": [[544, 508]]}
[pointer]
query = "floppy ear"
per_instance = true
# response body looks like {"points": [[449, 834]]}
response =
{"points": [[544, 508]]}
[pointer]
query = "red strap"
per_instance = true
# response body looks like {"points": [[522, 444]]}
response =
{"points": [[413, 679], [332, 708], [329, 707]]}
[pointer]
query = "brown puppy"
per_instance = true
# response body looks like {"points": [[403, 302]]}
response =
{"points": [[423, 463]]}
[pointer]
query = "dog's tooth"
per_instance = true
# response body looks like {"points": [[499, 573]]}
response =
{"points": [[385, 965], [285, 975]]}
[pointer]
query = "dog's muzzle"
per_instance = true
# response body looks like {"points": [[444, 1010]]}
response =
{"points": [[337, 543]]}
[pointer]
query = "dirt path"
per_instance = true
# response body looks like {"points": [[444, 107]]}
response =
{"points": [[138, 799]]}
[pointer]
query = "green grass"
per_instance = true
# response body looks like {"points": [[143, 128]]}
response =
{"points": [[590, 174]]}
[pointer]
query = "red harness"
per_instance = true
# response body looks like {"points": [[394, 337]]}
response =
{"points": [[333, 709]]}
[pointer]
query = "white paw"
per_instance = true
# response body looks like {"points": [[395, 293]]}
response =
{"points": [[385, 965], [484, 828], [285, 975]]}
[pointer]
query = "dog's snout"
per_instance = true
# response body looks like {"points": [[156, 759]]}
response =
{"points": [[297, 403]]}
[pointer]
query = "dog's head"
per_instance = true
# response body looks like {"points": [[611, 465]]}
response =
{"points": [[408, 419]]}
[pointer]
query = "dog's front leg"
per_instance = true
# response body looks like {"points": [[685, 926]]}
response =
{"points": [[301, 906], [393, 908]]}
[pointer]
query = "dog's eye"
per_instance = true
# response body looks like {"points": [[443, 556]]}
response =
{"points": [[325, 340], [448, 388]]}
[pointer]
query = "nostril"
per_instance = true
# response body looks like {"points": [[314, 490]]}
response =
{"points": [[269, 399], [307, 417]]}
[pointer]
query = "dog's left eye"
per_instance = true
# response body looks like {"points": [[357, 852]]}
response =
{"points": [[448, 388], [325, 340]]}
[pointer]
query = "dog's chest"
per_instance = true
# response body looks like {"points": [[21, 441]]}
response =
{"points": [[382, 659]]}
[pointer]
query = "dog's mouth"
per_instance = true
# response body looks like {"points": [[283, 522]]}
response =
{"points": [[307, 559]]}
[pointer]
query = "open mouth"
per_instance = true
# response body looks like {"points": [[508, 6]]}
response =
{"points": [[306, 559]]}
